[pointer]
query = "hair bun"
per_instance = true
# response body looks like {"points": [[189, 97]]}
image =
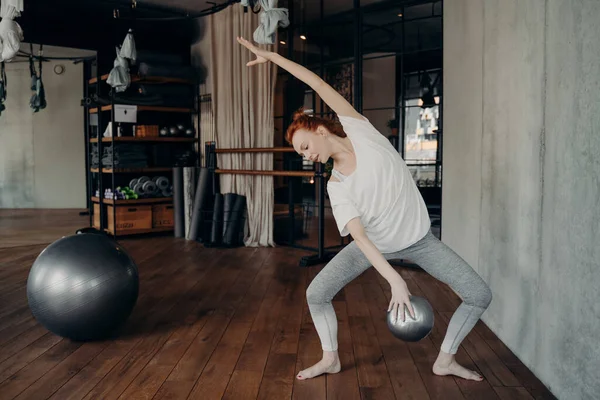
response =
{"points": [[299, 113]]}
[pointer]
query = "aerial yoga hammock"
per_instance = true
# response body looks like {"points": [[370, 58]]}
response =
{"points": [[38, 98], [271, 18]]}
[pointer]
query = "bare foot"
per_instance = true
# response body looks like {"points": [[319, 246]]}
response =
{"points": [[447, 365], [328, 365]]}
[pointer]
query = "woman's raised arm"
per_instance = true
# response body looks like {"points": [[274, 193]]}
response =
{"points": [[328, 94]]}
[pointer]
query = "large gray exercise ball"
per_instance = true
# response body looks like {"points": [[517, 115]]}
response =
{"points": [[413, 330], [83, 287]]}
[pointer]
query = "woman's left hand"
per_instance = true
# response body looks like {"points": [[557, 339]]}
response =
{"points": [[400, 299], [262, 56]]}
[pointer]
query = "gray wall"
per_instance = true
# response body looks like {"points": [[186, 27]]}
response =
{"points": [[521, 167], [42, 155]]}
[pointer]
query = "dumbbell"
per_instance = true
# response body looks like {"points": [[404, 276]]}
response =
{"points": [[162, 182], [149, 188], [167, 192], [139, 189], [126, 193]]}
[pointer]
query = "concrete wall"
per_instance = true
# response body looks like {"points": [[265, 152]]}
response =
{"points": [[42, 155], [521, 167]]}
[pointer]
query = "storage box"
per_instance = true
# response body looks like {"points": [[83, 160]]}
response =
{"points": [[129, 218], [125, 113], [162, 216], [146, 131]]}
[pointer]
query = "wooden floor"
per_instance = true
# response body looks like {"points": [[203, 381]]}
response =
{"points": [[233, 324], [31, 226]]}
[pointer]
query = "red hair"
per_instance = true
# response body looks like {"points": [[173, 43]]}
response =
{"points": [[301, 120]]}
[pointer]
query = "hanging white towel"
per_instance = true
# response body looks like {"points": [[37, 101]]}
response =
{"points": [[11, 33], [128, 48], [119, 75]]}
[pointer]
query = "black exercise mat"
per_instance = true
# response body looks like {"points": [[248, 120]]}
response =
{"points": [[236, 224], [203, 192], [216, 235], [228, 202]]}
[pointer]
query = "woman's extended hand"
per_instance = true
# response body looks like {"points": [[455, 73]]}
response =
{"points": [[400, 298], [262, 56]]}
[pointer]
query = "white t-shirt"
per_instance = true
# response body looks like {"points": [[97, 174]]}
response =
{"points": [[381, 191]]}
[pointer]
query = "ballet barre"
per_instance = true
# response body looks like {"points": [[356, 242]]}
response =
{"points": [[256, 150], [308, 174], [319, 175]]}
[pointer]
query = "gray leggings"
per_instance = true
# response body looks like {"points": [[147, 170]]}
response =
{"points": [[429, 253]]}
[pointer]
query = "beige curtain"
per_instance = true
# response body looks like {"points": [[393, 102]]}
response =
{"points": [[242, 103]]}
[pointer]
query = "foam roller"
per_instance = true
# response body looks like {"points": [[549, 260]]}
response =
{"points": [[178, 210]]}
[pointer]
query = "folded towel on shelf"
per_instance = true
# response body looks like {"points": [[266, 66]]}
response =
{"points": [[95, 159], [125, 156]]}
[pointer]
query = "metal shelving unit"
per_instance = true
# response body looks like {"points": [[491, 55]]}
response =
{"points": [[102, 177]]}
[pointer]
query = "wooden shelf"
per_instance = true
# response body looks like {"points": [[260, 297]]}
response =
{"points": [[134, 213], [153, 200], [130, 170], [147, 108], [148, 79], [140, 231], [145, 139]]}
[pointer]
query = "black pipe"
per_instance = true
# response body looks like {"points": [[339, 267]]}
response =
{"points": [[291, 208], [113, 144], [203, 13], [288, 116], [322, 53], [357, 56], [100, 175], [86, 118], [401, 142], [441, 122], [321, 236], [198, 143], [143, 7]]}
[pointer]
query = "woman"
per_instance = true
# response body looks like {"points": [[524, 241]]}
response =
{"points": [[374, 199]]}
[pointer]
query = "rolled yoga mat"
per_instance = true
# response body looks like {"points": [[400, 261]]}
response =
{"points": [[228, 202], [189, 188], [235, 225], [178, 209], [202, 195], [216, 235]]}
